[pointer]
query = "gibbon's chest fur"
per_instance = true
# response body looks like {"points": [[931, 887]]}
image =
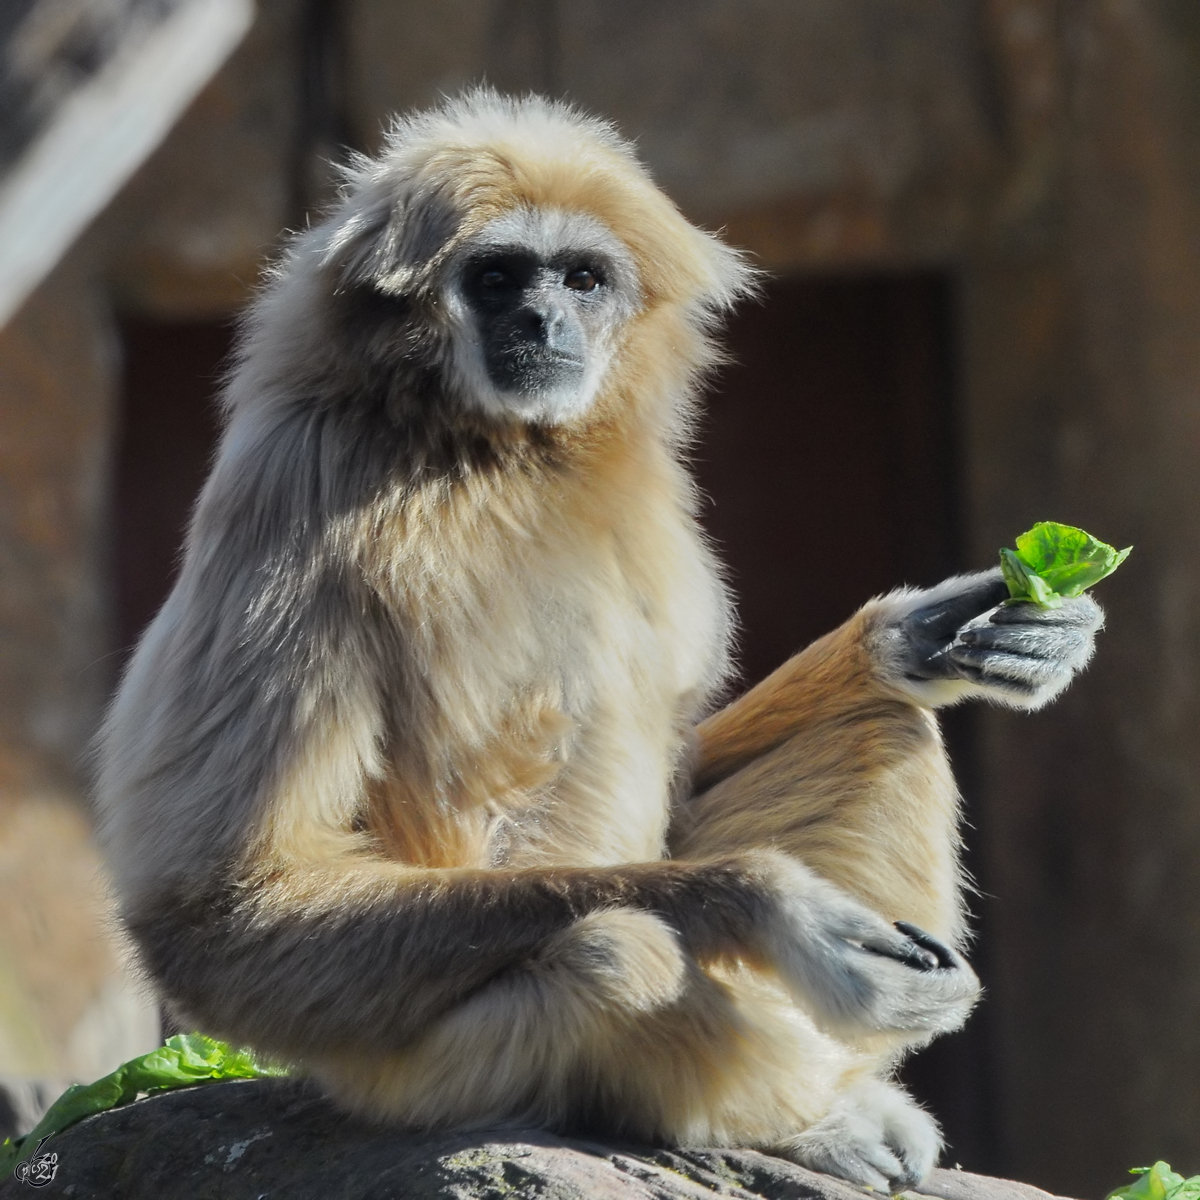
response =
{"points": [[562, 627]]}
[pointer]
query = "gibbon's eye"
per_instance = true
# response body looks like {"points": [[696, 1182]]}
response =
{"points": [[581, 279], [495, 277]]}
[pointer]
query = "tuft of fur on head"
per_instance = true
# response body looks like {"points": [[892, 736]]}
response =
{"points": [[446, 173], [359, 302]]}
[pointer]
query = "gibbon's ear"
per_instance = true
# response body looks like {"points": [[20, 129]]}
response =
{"points": [[388, 235], [725, 275]]}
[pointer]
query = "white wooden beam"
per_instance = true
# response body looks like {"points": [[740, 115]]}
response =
{"points": [[102, 133]]}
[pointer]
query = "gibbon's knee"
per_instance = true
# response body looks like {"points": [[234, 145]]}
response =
{"points": [[570, 1036], [621, 958]]}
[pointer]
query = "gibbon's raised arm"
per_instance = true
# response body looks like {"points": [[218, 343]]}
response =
{"points": [[929, 648]]}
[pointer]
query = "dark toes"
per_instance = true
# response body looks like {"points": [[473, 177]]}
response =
{"points": [[910, 1181], [1033, 641], [940, 955], [905, 1181], [1080, 612], [995, 667], [938, 621]]}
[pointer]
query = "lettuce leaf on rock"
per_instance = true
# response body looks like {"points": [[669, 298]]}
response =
{"points": [[182, 1061], [1053, 562], [1158, 1182]]}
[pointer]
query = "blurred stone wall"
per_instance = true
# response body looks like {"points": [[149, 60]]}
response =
{"points": [[1046, 154], [1082, 351], [66, 1008], [184, 240]]}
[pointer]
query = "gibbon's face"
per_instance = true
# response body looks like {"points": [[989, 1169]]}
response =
{"points": [[538, 301]]}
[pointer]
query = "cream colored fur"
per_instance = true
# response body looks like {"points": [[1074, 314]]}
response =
{"points": [[405, 783]]}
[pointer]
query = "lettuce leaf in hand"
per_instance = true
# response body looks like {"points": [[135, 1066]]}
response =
{"points": [[1053, 562], [183, 1060]]}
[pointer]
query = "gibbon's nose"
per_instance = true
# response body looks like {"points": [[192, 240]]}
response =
{"points": [[541, 324]]}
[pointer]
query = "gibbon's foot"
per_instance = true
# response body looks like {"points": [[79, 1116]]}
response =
{"points": [[874, 1135], [1031, 653], [853, 971], [960, 639]]}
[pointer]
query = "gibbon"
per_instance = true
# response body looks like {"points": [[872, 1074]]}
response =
{"points": [[415, 780]]}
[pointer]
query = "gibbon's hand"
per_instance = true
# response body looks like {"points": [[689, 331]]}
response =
{"points": [[853, 971], [960, 639]]}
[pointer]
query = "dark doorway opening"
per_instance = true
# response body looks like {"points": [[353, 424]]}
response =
{"points": [[828, 460], [166, 435], [828, 455]]}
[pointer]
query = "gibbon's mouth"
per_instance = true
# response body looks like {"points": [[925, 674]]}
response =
{"points": [[545, 356], [533, 371]]}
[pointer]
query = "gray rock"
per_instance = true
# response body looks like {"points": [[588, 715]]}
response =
{"points": [[268, 1139]]}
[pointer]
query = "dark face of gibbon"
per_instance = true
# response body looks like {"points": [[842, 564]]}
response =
{"points": [[534, 317], [539, 299]]}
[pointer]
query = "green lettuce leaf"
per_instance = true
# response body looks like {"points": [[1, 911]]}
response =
{"points": [[1158, 1182], [1053, 562], [182, 1061]]}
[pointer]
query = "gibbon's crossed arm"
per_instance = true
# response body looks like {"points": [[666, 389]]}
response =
{"points": [[388, 786]]}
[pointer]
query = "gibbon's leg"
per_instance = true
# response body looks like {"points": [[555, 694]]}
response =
{"points": [[825, 761], [861, 791], [836, 758], [613, 1028]]}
